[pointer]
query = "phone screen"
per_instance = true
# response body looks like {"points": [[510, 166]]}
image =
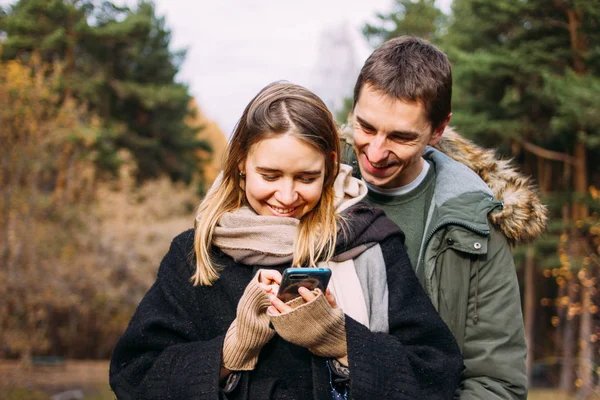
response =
{"points": [[310, 278]]}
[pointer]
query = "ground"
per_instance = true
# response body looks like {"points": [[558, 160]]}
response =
{"points": [[91, 378], [41, 382]]}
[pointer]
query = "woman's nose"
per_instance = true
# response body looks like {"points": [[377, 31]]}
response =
{"points": [[287, 194]]}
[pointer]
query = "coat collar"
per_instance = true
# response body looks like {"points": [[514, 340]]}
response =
{"points": [[522, 217]]}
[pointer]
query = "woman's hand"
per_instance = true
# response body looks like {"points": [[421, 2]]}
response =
{"points": [[250, 330], [278, 307], [269, 280], [312, 320]]}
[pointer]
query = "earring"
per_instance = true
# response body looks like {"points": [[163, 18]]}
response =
{"points": [[242, 180]]}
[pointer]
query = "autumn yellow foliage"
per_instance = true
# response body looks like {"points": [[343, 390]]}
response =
{"points": [[76, 253]]}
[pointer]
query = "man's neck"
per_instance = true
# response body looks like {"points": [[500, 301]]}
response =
{"points": [[404, 189]]}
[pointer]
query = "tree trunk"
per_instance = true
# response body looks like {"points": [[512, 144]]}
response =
{"points": [[586, 363], [530, 306], [578, 49], [62, 168], [567, 372]]}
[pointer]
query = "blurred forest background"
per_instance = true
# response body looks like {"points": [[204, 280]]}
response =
{"points": [[104, 155]]}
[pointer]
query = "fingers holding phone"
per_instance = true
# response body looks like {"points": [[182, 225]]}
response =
{"points": [[270, 280], [301, 282], [330, 298], [279, 307]]}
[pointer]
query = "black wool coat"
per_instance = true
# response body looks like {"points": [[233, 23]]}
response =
{"points": [[172, 346]]}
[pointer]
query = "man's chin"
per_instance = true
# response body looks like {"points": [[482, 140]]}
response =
{"points": [[382, 182]]}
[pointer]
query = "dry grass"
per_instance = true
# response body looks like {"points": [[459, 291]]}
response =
{"points": [[139, 222], [553, 394], [19, 382]]}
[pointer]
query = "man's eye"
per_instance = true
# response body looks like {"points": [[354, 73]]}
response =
{"points": [[269, 178], [367, 130], [399, 138]]}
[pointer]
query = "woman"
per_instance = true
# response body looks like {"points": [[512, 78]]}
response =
{"points": [[211, 326]]}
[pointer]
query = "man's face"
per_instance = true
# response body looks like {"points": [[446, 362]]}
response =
{"points": [[390, 136]]}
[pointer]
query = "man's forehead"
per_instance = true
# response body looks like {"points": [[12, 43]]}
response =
{"points": [[398, 115]]}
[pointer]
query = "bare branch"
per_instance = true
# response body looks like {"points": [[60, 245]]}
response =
{"points": [[548, 154]]}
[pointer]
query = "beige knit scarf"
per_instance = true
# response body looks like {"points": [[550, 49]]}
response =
{"points": [[253, 239]]}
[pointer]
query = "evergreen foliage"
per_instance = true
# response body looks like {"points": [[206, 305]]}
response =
{"points": [[519, 75], [118, 62], [408, 17]]}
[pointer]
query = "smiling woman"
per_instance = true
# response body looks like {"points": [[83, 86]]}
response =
{"points": [[283, 155]]}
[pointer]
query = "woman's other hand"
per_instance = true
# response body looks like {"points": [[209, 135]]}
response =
{"points": [[278, 307], [312, 320], [269, 280], [250, 330]]}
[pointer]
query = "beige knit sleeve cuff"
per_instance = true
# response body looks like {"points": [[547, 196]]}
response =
{"points": [[314, 325], [250, 331]]}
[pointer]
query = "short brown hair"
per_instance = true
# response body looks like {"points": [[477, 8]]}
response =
{"points": [[410, 69]]}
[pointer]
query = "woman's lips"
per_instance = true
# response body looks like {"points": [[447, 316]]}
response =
{"points": [[283, 211]]}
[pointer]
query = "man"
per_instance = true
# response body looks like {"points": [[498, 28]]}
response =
{"points": [[458, 235]]}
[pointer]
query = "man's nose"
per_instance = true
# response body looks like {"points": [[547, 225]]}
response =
{"points": [[377, 150]]}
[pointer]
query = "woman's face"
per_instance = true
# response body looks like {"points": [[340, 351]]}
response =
{"points": [[284, 177]]}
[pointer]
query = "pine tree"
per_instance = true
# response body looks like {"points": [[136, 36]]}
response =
{"points": [[408, 17], [119, 62]]}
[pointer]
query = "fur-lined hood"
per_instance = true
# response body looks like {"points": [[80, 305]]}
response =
{"points": [[523, 217]]}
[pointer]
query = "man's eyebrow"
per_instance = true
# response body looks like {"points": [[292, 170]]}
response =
{"points": [[364, 123], [404, 134]]}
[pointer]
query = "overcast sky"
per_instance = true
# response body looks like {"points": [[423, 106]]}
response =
{"points": [[236, 47]]}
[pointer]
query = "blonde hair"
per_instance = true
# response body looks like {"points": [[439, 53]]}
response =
{"points": [[280, 108]]}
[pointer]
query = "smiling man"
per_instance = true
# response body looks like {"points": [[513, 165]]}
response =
{"points": [[457, 232]]}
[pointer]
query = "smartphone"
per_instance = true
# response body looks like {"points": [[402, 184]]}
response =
{"points": [[310, 278]]}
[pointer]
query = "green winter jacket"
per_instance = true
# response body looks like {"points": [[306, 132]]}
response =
{"points": [[468, 267]]}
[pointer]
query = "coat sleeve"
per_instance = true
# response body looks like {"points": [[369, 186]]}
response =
{"points": [[494, 347], [418, 358], [161, 354]]}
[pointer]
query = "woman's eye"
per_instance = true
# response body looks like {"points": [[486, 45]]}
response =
{"points": [[307, 180], [269, 178]]}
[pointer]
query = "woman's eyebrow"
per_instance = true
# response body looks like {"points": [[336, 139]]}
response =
{"points": [[274, 170], [266, 170], [315, 172]]}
